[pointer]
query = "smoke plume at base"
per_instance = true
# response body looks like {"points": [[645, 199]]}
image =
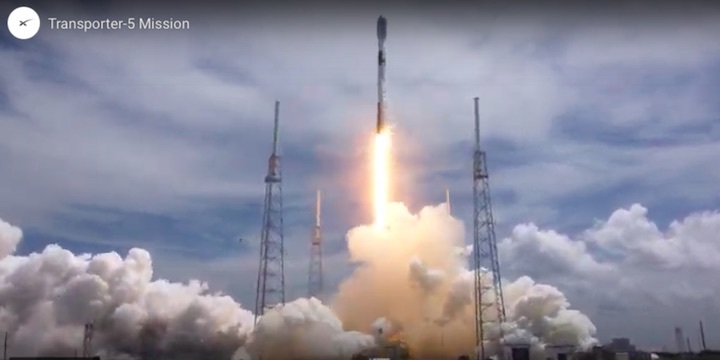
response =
{"points": [[304, 329], [414, 276], [412, 285]]}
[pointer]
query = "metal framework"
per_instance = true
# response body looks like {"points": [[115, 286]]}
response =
{"points": [[271, 270], [87, 339], [315, 271], [680, 341], [488, 295]]}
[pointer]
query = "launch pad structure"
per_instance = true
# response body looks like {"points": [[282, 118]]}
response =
{"points": [[488, 296], [270, 289], [88, 332]]}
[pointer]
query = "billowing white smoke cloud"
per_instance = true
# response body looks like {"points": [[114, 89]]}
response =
{"points": [[414, 276], [414, 284], [305, 329], [46, 298]]}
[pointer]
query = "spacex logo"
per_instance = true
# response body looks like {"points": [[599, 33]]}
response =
{"points": [[23, 23]]}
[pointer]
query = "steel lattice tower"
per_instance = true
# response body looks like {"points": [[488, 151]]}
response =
{"points": [[488, 296], [87, 339], [315, 272], [271, 271]]}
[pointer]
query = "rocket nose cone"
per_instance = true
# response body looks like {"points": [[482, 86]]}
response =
{"points": [[381, 28]]}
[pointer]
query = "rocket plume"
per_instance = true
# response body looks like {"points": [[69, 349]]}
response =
{"points": [[381, 177]]}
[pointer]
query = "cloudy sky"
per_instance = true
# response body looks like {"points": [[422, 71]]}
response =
{"points": [[602, 127]]}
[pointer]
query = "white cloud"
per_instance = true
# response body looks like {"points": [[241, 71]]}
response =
{"points": [[634, 265], [558, 252], [687, 244]]}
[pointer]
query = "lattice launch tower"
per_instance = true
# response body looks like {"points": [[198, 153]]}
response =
{"points": [[271, 270], [489, 302]]}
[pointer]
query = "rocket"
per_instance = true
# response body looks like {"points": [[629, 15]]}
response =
{"points": [[381, 35]]}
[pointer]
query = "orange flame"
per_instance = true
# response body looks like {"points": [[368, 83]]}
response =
{"points": [[381, 177]]}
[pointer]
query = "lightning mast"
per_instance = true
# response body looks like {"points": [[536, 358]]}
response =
{"points": [[488, 292], [271, 271], [315, 272], [447, 200]]}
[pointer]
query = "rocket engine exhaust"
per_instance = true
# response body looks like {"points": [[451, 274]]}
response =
{"points": [[381, 35]]}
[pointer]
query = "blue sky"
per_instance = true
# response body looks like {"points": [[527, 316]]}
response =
{"points": [[112, 140]]}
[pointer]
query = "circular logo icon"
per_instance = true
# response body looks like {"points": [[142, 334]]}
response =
{"points": [[23, 23]]}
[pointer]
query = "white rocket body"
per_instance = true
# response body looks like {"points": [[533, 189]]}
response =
{"points": [[382, 35]]}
